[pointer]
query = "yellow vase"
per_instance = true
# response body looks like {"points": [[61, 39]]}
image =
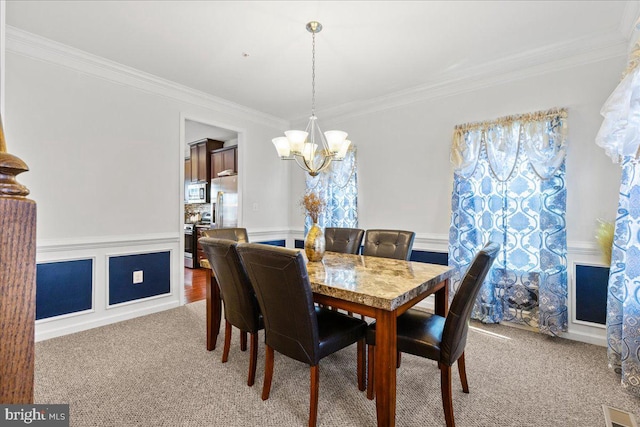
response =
{"points": [[314, 243]]}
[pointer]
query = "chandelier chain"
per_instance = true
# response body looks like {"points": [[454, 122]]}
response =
{"points": [[313, 74]]}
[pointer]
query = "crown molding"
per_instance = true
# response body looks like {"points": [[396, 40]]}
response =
{"points": [[33, 46], [557, 57]]}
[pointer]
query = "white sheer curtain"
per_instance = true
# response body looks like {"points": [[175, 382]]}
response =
{"points": [[619, 135]]}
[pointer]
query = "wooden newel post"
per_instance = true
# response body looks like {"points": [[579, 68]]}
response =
{"points": [[17, 282]]}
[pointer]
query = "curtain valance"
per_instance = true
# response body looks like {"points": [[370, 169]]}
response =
{"points": [[541, 135]]}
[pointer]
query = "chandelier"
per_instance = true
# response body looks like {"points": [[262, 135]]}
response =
{"points": [[312, 149]]}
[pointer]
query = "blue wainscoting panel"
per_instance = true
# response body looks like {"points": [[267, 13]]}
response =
{"points": [[299, 244], [274, 243], [591, 293], [63, 287], [156, 272], [441, 258]]}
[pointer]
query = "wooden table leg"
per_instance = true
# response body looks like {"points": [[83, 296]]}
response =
{"points": [[442, 300], [385, 367], [214, 311]]}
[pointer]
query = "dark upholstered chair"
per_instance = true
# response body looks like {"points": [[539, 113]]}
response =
{"points": [[294, 326], [440, 339], [240, 305], [343, 240], [394, 244], [236, 234]]}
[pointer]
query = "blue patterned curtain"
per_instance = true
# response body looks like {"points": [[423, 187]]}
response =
{"points": [[509, 188], [338, 187], [619, 135], [623, 298]]}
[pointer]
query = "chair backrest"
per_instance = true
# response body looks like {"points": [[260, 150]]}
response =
{"points": [[344, 240], [279, 278], [456, 327], [236, 234], [240, 304], [394, 244]]}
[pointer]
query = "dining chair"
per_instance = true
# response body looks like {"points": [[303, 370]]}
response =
{"points": [[240, 305], [396, 244], [236, 234], [343, 240], [436, 338], [294, 326], [239, 235]]}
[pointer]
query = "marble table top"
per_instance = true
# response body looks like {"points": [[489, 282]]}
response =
{"points": [[377, 282]]}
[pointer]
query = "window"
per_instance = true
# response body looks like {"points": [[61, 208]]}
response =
{"points": [[509, 188]]}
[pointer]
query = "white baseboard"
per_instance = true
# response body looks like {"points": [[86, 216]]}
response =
{"points": [[50, 330], [589, 335]]}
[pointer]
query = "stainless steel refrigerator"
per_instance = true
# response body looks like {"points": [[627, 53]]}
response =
{"points": [[224, 202]]}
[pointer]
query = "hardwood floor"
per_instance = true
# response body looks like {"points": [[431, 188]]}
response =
{"points": [[195, 280]]}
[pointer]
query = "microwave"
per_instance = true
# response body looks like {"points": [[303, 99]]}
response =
{"points": [[197, 193]]}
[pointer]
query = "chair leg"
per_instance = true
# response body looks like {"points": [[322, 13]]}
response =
{"points": [[268, 371], [227, 341], [463, 374], [398, 356], [313, 400], [253, 359], [243, 341], [445, 386], [361, 365], [370, 361]]}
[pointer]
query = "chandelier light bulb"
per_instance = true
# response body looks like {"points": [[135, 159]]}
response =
{"points": [[335, 138], [282, 146]]}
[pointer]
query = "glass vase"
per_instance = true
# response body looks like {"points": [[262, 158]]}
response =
{"points": [[314, 243]]}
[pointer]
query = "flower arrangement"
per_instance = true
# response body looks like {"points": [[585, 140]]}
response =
{"points": [[313, 205], [604, 237]]}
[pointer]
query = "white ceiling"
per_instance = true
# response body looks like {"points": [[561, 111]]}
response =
{"points": [[367, 49]]}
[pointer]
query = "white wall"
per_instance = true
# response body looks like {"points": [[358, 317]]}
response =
{"points": [[105, 153], [405, 176], [3, 20], [106, 157]]}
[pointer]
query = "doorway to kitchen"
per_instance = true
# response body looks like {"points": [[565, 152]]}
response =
{"points": [[209, 151]]}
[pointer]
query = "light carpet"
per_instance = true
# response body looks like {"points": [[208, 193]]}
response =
{"points": [[155, 371]]}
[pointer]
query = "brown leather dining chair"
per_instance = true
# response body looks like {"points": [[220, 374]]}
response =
{"points": [[436, 338], [343, 240], [240, 305], [294, 326], [236, 234], [396, 244]]}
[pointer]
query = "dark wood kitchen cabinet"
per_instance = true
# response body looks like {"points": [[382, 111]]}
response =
{"points": [[201, 158], [224, 159]]}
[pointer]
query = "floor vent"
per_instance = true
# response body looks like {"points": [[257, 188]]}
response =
{"points": [[618, 418]]}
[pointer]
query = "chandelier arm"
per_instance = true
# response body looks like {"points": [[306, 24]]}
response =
{"points": [[326, 161], [353, 169], [304, 165]]}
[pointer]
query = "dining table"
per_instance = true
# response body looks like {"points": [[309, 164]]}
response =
{"points": [[375, 287]]}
